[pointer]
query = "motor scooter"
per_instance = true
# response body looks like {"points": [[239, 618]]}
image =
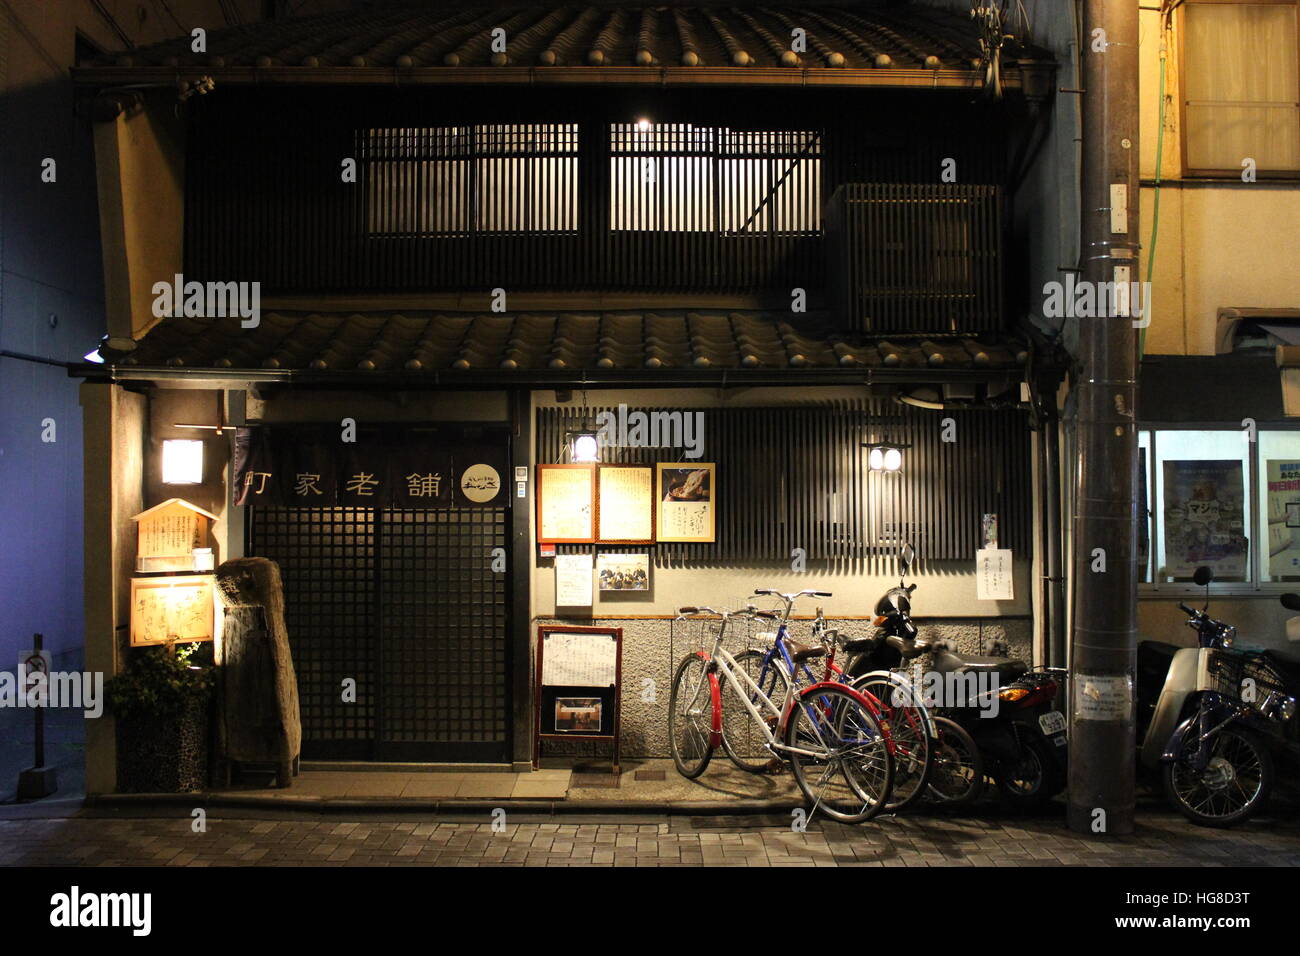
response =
{"points": [[1210, 718], [1007, 709]]}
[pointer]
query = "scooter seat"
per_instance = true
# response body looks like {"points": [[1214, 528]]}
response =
{"points": [[950, 662]]}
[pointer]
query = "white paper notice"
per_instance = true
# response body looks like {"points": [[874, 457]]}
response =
{"points": [[993, 574], [579, 660], [573, 580]]}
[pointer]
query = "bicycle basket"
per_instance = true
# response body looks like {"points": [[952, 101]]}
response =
{"points": [[1249, 678]]}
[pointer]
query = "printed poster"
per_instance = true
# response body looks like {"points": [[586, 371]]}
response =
{"points": [[1204, 518], [1283, 478], [687, 501], [994, 574], [573, 580]]}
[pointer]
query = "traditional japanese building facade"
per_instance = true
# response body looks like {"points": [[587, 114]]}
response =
{"points": [[394, 260]]}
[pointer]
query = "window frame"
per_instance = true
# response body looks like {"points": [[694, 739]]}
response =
{"points": [[1183, 130], [1255, 587]]}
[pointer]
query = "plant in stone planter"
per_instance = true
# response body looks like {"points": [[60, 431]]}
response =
{"points": [[161, 702]]}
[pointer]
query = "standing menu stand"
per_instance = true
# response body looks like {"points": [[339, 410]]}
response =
{"points": [[579, 675]]}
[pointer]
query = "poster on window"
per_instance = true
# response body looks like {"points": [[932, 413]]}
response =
{"points": [[687, 497], [1204, 520], [1283, 477]]}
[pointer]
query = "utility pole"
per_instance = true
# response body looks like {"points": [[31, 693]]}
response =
{"points": [[1104, 638]]}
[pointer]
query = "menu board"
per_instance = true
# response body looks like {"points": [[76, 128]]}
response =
{"points": [[579, 660], [566, 503], [626, 510], [686, 497]]}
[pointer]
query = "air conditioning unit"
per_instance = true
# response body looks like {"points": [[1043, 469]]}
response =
{"points": [[911, 257]]}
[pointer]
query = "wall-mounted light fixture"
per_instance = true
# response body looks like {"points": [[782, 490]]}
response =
{"points": [[885, 455], [643, 124], [584, 447], [182, 461]]}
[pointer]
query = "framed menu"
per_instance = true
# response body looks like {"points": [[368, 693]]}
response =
{"points": [[566, 504], [686, 495], [625, 509]]}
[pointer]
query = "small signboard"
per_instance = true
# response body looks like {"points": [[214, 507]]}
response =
{"points": [[579, 671], [167, 535], [177, 608]]}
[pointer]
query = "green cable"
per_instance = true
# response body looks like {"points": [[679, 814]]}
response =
{"points": [[1155, 206]]}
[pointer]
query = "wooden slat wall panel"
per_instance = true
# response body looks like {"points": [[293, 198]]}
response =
{"points": [[796, 476]]}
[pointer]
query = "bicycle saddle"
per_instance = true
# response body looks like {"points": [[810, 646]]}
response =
{"points": [[803, 652], [949, 662]]}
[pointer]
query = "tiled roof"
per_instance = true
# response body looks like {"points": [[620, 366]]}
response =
{"points": [[414, 342], [865, 36]]}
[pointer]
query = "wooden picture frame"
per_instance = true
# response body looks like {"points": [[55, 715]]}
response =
{"points": [[604, 507], [176, 607], [560, 499], [692, 517]]}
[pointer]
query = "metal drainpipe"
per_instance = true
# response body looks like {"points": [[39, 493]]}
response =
{"points": [[1052, 552], [1101, 775]]}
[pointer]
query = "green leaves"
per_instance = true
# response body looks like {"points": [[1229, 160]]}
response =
{"points": [[159, 682]]}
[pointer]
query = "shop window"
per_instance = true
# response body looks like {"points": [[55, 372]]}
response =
{"points": [[458, 180], [1202, 508], [1239, 74], [683, 178]]}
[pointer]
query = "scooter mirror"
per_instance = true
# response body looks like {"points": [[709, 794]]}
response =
{"points": [[1291, 602], [906, 556], [1202, 576]]}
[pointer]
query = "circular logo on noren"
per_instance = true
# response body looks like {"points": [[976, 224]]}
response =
{"points": [[480, 483]]}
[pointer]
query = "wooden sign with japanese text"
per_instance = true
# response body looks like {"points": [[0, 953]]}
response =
{"points": [[566, 503], [626, 506]]}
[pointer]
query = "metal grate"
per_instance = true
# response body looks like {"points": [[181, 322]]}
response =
{"points": [[796, 476], [445, 679], [406, 603], [327, 561]]}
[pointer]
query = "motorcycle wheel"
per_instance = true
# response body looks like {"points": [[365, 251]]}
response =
{"points": [[957, 777], [1031, 781], [1235, 783]]}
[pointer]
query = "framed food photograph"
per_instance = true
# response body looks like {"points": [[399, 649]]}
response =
{"points": [[686, 501], [178, 608], [623, 572], [566, 504], [625, 508]]}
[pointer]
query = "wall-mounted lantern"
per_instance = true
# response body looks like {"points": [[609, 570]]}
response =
{"points": [[182, 461], [885, 456]]}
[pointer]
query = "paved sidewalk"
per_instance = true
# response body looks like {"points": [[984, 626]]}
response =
{"points": [[279, 839]]}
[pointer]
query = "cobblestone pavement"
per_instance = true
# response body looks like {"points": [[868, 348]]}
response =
{"points": [[308, 840]]}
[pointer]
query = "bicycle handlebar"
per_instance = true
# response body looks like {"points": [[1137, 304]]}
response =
{"points": [[1186, 610]]}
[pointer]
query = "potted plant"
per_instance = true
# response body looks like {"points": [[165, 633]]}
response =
{"points": [[161, 702]]}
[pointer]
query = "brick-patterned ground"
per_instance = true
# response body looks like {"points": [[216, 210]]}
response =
{"points": [[1162, 839]]}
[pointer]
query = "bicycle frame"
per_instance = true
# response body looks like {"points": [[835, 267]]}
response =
{"points": [[720, 659]]}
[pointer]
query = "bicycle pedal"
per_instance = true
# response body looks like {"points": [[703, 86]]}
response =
{"points": [[774, 767]]}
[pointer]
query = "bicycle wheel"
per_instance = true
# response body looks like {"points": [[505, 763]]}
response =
{"points": [[912, 733], [839, 754], [958, 775], [690, 716], [742, 738]]}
